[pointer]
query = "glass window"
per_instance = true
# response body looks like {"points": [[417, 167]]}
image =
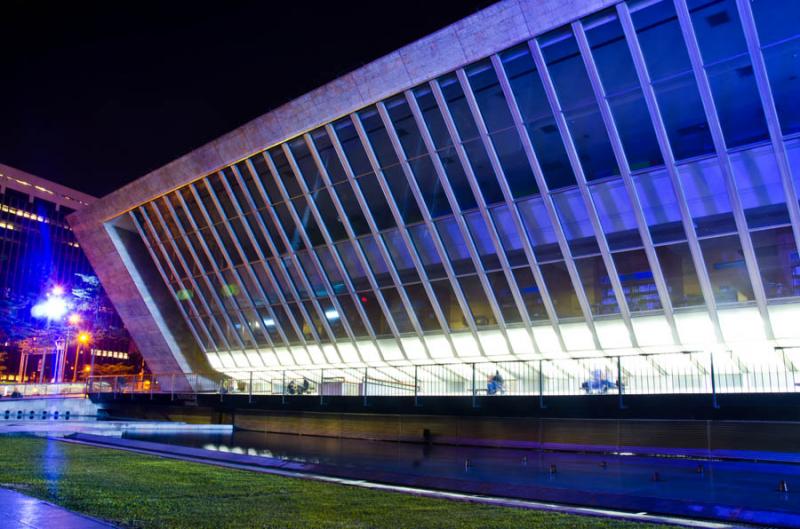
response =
{"points": [[302, 321], [780, 40], [660, 206], [477, 301], [426, 249], [597, 285], [483, 241], [637, 280], [778, 262], [308, 169], [724, 51], [351, 207], [283, 321], [540, 230], [378, 137], [352, 264], [680, 275], [535, 109], [559, 285], [483, 171], [405, 127], [375, 315], [509, 236], [373, 254], [265, 279], [758, 181], [297, 276], [281, 273], [707, 197], [289, 227], [308, 264], [249, 192], [505, 299], [285, 173], [262, 172], [455, 246], [449, 305], [309, 223], [403, 262], [670, 70], [274, 235], [515, 164], [350, 313], [381, 213], [421, 305], [489, 96], [327, 155], [579, 105], [221, 193], [458, 181], [330, 217], [397, 310], [329, 264], [618, 75], [242, 240], [530, 293], [403, 197], [351, 144], [431, 188], [726, 269], [616, 214], [433, 118], [575, 221], [458, 107]]}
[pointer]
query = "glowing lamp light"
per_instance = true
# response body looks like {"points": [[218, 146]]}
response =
{"points": [[269, 322], [84, 337], [331, 314], [57, 290], [53, 308], [74, 318]]}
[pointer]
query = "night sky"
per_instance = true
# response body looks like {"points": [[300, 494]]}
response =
{"points": [[96, 94]]}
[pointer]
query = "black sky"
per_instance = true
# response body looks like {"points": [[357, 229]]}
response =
{"points": [[96, 94]]}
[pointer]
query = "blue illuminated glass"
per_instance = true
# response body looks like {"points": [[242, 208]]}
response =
{"points": [[579, 106], [351, 145], [454, 244], [618, 76], [676, 90], [636, 278], [380, 269], [504, 297], [376, 201], [616, 215], [760, 187], [514, 163], [403, 262], [426, 249], [539, 229], [597, 285], [328, 157], [285, 173], [401, 192], [724, 51], [778, 262], [660, 206], [458, 107], [378, 137], [489, 96], [432, 117], [484, 172], [575, 221], [536, 114], [405, 127], [779, 35], [431, 187], [727, 269], [509, 237], [483, 241], [308, 168], [458, 180], [707, 197]]}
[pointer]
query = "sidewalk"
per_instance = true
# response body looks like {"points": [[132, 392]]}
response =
{"points": [[23, 512]]}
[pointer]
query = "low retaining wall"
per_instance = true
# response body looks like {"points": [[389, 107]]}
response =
{"points": [[47, 408]]}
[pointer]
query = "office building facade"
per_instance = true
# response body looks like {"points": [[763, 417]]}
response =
{"points": [[544, 180]]}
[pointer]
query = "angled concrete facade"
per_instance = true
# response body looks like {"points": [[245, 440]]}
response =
{"points": [[556, 179]]}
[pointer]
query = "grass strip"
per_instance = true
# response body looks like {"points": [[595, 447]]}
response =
{"points": [[147, 492]]}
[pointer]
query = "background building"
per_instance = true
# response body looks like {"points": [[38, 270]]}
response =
{"points": [[38, 252], [608, 187]]}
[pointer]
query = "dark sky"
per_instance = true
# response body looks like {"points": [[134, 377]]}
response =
{"points": [[96, 94]]}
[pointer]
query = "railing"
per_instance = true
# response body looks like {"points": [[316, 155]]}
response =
{"points": [[42, 390], [670, 373]]}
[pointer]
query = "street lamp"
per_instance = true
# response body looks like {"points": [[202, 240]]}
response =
{"points": [[83, 338]]}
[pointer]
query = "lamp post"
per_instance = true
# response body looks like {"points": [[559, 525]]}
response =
{"points": [[83, 339]]}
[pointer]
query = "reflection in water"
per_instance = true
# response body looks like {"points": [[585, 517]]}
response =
{"points": [[53, 465], [576, 475]]}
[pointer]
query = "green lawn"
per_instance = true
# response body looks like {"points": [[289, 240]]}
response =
{"points": [[139, 491]]}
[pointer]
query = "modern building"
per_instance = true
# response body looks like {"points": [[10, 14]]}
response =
{"points": [[38, 251], [562, 191]]}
